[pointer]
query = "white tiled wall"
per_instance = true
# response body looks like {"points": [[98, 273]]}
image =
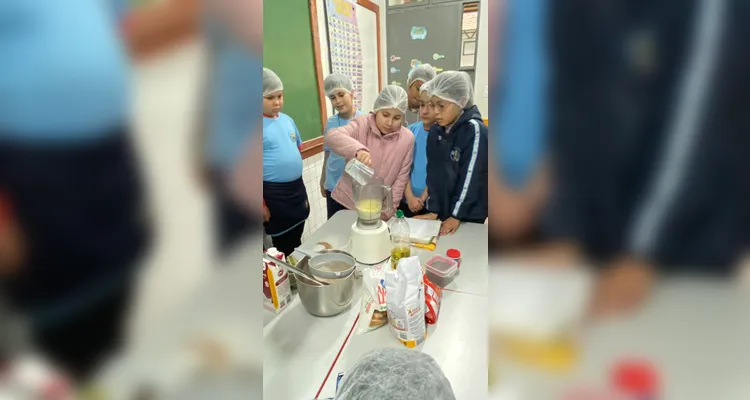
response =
{"points": [[313, 167]]}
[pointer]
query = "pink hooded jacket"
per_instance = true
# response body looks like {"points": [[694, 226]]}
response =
{"points": [[391, 155]]}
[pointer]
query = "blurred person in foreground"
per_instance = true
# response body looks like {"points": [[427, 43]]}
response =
{"points": [[395, 374], [518, 177], [649, 139], [69, 172], [230, 122]]}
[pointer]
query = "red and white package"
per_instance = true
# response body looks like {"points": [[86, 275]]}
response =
{"points": [[374, 311], [432, 297], [277, 293]]}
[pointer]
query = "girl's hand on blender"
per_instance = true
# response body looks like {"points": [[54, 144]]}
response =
{"points": [[363, 156]]}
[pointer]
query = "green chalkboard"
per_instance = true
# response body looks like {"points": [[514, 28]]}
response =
{"points": [[288, 51]]}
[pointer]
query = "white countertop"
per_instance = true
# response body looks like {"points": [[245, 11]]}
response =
{"points": [[309, 345], [695, 332]]}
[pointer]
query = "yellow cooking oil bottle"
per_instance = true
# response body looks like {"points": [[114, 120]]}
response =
{"points": [[400, 239]]}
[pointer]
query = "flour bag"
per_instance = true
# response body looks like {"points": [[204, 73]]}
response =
{"points": [[373, 313], [404, 289]]}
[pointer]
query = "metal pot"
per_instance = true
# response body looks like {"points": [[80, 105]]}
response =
{"points": [[328, 300]]}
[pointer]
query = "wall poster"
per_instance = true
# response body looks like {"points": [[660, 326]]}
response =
{"points": [[344, 43]]}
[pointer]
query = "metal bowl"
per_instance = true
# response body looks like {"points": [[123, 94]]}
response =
{"points": [[319, 264], [328, 300]]}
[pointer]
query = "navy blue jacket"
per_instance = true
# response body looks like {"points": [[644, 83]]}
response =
{"points": [[649, 147], [457, 169]]}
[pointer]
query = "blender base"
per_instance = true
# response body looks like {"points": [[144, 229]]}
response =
{"points": [[370, 246]]}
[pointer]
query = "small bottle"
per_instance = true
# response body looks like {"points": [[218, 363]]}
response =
{"points": [[400, 234], [636, 379], [454, 255]]}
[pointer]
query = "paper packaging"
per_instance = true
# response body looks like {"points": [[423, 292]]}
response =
{"points": [[277, 293], [432, 296], [373, 313], [406, 303]]}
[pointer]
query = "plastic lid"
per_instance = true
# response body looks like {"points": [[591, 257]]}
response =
{"points": [[399, 214], [442, 266], [635, 377], [453, 253]]}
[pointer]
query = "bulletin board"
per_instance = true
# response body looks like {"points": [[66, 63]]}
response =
{"points": [[288, 51]]}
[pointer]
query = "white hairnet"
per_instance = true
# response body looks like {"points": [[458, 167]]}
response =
{"points": [[336, 82], [395, 374], [271, 82], [391, 96], [425, 88], [424, 73], [453, 86]]}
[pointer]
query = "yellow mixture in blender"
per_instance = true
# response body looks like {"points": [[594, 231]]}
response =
{"points": [[369, 206]]}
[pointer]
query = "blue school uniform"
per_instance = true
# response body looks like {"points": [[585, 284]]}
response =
{"points": [[522, 109], [283, 189], [234, 102], [66, 161], [336, 163], [457, 169], [60, 80], [419, 167], [282, 161]]}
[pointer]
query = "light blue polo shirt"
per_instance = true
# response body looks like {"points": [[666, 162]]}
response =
{"points": [[336, 163], [522, 109], [234, 102], [64, 74], [419, 168], [282, 161]]}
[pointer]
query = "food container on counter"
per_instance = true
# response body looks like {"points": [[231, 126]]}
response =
{"points": [[454, 255], [441, 270]]}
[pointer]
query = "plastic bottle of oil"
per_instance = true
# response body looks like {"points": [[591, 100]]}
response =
{"points": [[400, 239]]}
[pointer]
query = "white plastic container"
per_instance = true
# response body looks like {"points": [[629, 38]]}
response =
{"points": [[441, 270]]}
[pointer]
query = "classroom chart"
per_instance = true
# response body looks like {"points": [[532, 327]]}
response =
{"points": [[344, 43]]}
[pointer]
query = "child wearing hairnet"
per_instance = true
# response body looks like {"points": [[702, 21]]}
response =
{"points": [[457, 152], [285, 205], [395, 374], [415, 194], [380, 141], [340, 91], [417, 77]]}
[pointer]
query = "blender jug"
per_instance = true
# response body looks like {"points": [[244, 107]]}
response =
{"points": [[368, 201]]}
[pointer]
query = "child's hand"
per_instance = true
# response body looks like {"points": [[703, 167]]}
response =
{"points": [[323, 191], [363, 156], [12, 249], [449, 226], [430, 216], [415, 203], [623, 286], [266, 214]]}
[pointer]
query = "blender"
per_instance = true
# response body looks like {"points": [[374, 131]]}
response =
{"points": [[370, 237]]}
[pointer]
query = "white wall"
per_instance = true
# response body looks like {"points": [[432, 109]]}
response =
{"points": [[481, 77]]}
